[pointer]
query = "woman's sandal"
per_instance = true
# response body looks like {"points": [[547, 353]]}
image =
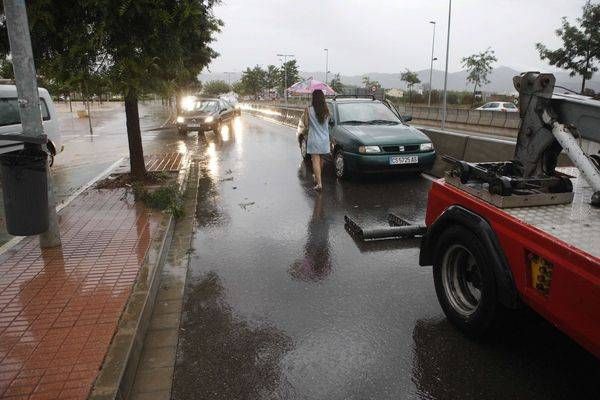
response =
{"points": [[318, 188]]}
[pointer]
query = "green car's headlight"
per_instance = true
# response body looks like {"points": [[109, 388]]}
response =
{"points": [[210, 119], [369, 149], [426, 146]]}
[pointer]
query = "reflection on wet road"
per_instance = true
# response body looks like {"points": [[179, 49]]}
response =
{"points": [[281, 303]]}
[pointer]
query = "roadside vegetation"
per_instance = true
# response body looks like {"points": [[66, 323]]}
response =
{"points": [[580, 50]]}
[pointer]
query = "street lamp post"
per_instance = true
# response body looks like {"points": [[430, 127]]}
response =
{"points": [[431, 67], [228, 75], [446, 71], [284, 61], [326, 64]]}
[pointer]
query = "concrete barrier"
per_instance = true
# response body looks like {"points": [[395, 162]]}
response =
{"points": [[445, 143]]}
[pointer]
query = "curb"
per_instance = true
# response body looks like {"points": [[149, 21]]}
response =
{"points": [[117, 374]]}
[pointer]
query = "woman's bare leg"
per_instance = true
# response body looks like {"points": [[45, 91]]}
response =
{"points": [[316, 164]]}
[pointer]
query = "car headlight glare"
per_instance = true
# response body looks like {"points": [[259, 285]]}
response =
{"points": [[209, 119], [426, 146], [180, 120], [369, 149], [188, 103]]}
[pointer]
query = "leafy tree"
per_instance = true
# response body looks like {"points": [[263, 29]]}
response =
{"points": [[95, 45], [272, 77], [411, 80], [336, 84], [479, 66], [253, 81], [215, 88], [368, 83], [288, 71], [6, 71], [238, 88], [134, 35], [580, 52]]}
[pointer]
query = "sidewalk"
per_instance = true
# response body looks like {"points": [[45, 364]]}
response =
{"points": [[59, 308]]}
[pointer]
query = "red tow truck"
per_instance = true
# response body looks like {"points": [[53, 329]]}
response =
{"points": [[524, 231]]}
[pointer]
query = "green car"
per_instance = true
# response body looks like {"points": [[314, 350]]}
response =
{"points": [[369, 136]]}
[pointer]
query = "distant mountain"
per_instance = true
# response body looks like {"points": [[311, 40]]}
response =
{"points": [[501, 79]]}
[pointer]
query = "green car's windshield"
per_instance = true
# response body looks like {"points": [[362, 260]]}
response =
{"points": [[366, 113]]}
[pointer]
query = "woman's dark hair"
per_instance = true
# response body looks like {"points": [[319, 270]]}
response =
{"points": [[318, 103]]}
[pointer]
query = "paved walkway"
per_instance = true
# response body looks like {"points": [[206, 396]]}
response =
{"points": [[59, 308]]}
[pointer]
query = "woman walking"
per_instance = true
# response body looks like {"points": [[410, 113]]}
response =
{"points": [[316, 118]]}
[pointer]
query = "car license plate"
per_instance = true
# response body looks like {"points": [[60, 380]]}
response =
{"points": [[399, 160]]}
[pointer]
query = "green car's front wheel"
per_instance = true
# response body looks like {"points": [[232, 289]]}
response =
{"points": [[341, 166], [303, 149]]}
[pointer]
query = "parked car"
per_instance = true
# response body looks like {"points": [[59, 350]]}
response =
{"points": [[204, 115], [10, 120], [502, 106], [369, 136]]}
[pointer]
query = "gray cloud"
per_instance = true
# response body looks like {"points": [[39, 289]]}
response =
{"points": [[385, 35]]}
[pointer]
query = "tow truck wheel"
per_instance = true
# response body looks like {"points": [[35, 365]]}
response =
{"points": [[464, 281]]}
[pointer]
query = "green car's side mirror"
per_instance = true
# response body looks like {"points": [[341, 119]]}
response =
{"points": [[407, 118]]}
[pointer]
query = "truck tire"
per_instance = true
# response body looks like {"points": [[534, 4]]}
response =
{"points": [[464, 281]]}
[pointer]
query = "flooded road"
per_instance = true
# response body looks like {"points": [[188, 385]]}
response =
{"points": [[281, 303]]}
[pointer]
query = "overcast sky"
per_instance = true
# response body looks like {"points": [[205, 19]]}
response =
{"points": [[385, 35]]}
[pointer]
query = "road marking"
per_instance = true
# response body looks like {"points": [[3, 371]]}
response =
{"points": [[14, 241]]}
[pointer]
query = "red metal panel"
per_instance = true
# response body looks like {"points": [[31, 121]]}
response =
{"points": [[573, 304]]}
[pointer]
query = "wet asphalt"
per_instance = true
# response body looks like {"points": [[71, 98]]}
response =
{"points": [[281, 303]]}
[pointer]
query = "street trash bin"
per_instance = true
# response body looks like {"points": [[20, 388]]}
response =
{"points": [[25, 191]]}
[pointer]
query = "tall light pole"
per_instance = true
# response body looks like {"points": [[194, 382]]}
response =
{"points": [[431, 67], [326, 64], [446, 72], [284, 61], [228, 75]]}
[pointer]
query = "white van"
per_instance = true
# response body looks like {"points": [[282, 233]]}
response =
{"points": [[10, 120]]}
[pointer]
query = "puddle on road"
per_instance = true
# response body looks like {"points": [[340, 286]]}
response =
{"points": [[232, 360]]}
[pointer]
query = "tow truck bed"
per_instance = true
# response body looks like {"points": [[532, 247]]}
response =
{"points": [[577, 224], [566, 236]]}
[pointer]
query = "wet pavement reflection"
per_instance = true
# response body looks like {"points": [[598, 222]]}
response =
{"points": [[281, 302]]}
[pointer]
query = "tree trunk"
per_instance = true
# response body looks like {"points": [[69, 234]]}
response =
{"points": [[134, 136], [583, 85], [474, 90]]}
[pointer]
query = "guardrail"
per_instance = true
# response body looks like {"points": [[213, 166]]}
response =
{"points": [[492, 122], [285, 115]]}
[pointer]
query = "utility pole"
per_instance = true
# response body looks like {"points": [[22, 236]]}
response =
{"points": [[446, 71], [228, 75], [326, 64], [431, 67], [284, 61], [29, 98]]}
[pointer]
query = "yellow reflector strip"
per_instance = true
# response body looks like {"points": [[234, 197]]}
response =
{"points": [[541, 273]]}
